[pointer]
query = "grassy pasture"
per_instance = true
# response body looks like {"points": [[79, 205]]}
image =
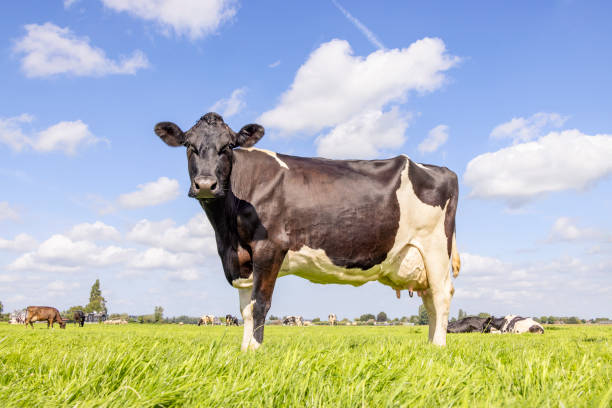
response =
{"points": [[169, 365]]}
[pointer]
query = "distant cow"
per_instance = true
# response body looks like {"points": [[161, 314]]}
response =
{"points": [[42, 313], [332, 319], [115, 321], [470, 324], [516, 324], [206, 320], [79, 318], [18, 317], [293, 321], [231, 320], [328, 221]]}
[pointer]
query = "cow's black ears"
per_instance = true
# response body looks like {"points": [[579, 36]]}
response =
{"points": [[170, 133], [249, 135]]}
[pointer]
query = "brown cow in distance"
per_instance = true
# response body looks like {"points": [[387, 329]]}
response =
{"points": [[42, 313]]}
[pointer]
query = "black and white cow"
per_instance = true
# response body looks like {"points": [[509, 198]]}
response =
{"points": [[516, 324], [470, 325], [293, 321], [329, 221], [231, 320]]}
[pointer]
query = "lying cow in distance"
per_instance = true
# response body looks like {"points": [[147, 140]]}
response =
{"points": [[328, 221], [79, 318], [42, 313], [293, 321], [206, 320], [516, 324], [231, 320], [470, 325]]}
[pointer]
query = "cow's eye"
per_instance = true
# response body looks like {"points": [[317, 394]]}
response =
{"points": [[224, 148]]}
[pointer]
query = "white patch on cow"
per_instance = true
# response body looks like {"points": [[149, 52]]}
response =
{"points": [[521, 326], [246, 308], [243, 283], [269, 153]]}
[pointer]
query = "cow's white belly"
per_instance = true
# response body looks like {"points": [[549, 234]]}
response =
{"points": [[405, 270]]}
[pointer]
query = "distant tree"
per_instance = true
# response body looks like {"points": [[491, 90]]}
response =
{"points": [[572, 320], [97, 303], [482, 314], [381, 317], [68, 313], [461, 314], [414, 319], [423, 318], [543, 319], [272, 317], [404, 319], [453, 319], [316, 320], [366, 317], [158, 314]]}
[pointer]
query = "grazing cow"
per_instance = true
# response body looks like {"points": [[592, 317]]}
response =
{"points": [[293, 321], [231, 320], [470, 324], [329, 221], [79, 318], [206, 320], [516, 324], [41, 313], [331, 319]]}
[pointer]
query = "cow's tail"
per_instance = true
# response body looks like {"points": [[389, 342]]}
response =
{"points": [[456, 261]]}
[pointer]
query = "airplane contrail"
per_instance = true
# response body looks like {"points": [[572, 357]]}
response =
{"points": [[369, 35]]}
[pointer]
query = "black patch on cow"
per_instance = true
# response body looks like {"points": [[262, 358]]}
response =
{"points": [[348, 208], [470, 324], [436, 186]]}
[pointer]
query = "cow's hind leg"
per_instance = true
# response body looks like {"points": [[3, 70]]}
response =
{"points": [[438, 297]]}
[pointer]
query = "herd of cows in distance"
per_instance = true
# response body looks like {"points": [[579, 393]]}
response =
{"points": [[508, 324]]}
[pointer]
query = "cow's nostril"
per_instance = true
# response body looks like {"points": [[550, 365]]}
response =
{"points": [[213, 187], [196, 185]]}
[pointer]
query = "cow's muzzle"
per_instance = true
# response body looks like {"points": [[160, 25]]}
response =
{"points": [[204, 187]]}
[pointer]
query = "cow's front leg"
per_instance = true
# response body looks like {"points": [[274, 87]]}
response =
{"points": [[265, 272], [246, 309]]}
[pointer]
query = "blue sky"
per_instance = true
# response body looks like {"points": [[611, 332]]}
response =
{"points": [[515, 98]]}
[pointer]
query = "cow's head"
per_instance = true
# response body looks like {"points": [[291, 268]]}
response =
{"points": [[209, 146], [62, 324]]}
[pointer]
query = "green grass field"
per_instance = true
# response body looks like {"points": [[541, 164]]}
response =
{"points": [[169, 365]]}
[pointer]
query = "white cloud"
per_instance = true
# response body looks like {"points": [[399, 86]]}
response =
{"points": [[69, 3], [7, 278], [333, 86], [274, 64], [21, 243], [61, 286], [565, 229], [159, 258], [196, 236], [192, 18], [555, 162], [364, 30], [93, 232], [435, 138], [51, 50], [59, 253], [65, 136], [152, 193], [526, 129], [184, 275], [231, 106], [7, 212], [362, 136]]}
